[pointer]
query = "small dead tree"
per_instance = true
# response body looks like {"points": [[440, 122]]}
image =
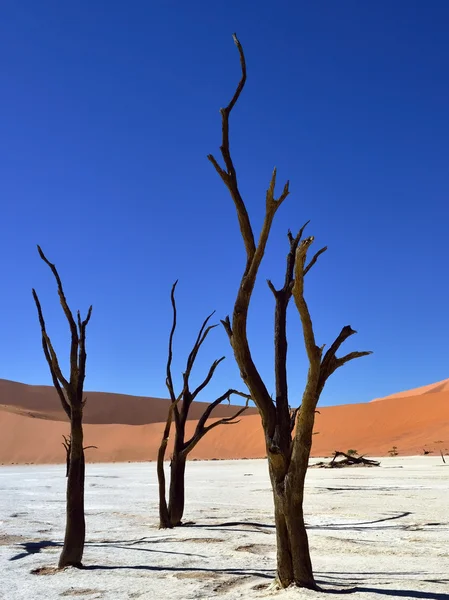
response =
{"points": [[348, 459], [288, 435], [70, 392], [67, 443], [171, 515]]}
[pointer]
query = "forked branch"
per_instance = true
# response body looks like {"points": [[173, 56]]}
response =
{"points": [[66, 309], [70, 391], [202, 428], [59, 381], [330, 362], [187, 396]]}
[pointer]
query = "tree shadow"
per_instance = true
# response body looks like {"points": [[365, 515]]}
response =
{"points": [[338, 587], [409, 594], [236, 525], [231, 526], [35, 547], [338, 580], [265, 573]]}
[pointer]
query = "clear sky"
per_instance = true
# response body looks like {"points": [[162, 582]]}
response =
{"points": [[108, 110]]}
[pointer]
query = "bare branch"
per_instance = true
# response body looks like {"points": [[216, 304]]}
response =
{"points": [[82, 356], [226, 396], [293, 414], [351, 356], [242, 81], [52, 360], [229, 176], [331, 363], [291, 257], [188, 397], [208, 378], [67, 312], [227, 326], [219, 170], [314, 259], [272, 288], [313, 352], [227, 420], [202, 335], [201, 429], [344, 334], [169, 378], [272, 204]]}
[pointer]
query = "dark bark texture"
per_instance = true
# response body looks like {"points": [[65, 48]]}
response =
{"points": [[288, 432], [70, 393], [170, 515]]}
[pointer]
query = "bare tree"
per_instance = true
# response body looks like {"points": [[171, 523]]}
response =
{"points": [[288, 433], [70, 392], [171, 515]]}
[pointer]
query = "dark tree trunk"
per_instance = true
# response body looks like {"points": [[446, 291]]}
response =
{"points": [[176, 493], [293, 557], [164, 517], [72, 552]]}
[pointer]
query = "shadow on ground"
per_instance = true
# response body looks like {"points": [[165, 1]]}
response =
{"points": [[331, 583]]}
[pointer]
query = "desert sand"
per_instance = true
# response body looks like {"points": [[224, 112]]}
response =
{"points": [[32, 424], [440, 386], [382, 531], [42, 401]]}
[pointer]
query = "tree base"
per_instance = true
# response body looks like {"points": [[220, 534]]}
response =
{"points": [[75, 565], [276, 586]]}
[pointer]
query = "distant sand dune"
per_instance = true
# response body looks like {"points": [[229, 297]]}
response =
{"points": [[29, 435], [101, 408], [440, 386]]}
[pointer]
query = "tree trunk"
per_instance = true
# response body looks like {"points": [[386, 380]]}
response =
{"points": [[164, 517], [293, 555], [176, 494], [72, 552]]}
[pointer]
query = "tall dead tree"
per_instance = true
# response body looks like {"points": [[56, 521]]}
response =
{"points": [[171, 515], [288, 433], [70, 392]]}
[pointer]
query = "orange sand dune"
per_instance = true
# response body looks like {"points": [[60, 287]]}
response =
{"points": [[411, 423], [42, 401], [440, 386]]}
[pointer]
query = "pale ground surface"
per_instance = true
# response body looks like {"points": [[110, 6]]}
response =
{"points": [[382, 530]]}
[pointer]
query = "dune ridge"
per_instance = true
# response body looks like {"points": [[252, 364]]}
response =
{"points": [[102, 408], [410, 422]]}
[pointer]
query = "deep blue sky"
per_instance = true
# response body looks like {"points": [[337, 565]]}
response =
{"points": [[108, 110]]}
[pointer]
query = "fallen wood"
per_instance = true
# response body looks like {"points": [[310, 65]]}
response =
{"points": [[347, 461]]}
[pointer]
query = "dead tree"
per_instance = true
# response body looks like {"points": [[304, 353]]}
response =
{"points": [[67, 443], [70, 392], [351, 459], [171, 515], [288, 441]]}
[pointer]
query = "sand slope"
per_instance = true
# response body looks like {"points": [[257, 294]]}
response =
{"points": [[440, 386], [411, 423], [43, 402]]}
